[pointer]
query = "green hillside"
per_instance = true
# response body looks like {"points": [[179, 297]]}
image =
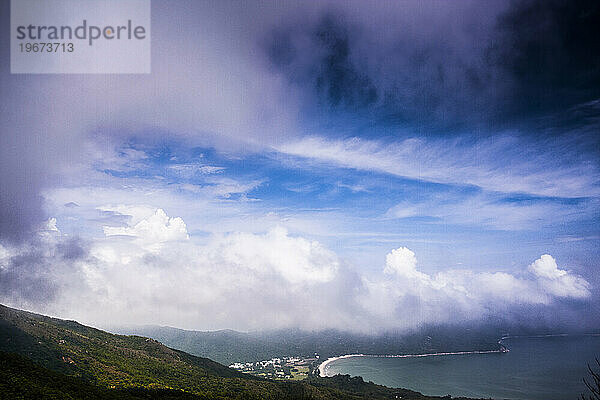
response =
{"points": [[67, 360], [20, 378]]}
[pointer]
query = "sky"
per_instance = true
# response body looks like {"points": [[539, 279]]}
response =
{"points": [[362, 166]]}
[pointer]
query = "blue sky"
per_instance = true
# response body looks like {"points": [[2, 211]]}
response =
{"points": [[362, 213], [377, 154]]}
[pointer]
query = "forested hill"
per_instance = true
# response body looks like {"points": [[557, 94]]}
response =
{"points": [[42, 357]]}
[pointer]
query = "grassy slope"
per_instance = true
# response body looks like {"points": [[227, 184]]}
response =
{"points": [[103, 361], [20, 378]]}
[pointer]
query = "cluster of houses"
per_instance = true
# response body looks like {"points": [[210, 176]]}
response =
{"points": [[278, 368]]}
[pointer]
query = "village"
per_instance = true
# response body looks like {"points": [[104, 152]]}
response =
{"points": [[285, 368]]}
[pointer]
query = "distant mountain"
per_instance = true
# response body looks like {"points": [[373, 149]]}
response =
{"points": [[43, 357], [227, 346]]}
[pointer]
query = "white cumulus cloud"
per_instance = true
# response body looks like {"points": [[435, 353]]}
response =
{"points": [[556, 281], [409, 297], [153, 231], [150, 271]]}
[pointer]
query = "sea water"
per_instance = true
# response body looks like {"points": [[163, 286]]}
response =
{"points": [[535, 368]]}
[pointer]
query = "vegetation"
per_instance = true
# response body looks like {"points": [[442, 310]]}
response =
{"points": [[44, 357], [20, 378], [593, 384]]}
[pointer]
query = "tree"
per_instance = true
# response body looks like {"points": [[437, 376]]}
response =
{"points": [[594, 384]]}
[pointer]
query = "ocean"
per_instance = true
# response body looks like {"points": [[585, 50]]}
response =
{"points": [[535, 368]]}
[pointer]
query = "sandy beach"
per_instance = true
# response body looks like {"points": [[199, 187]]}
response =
{"points": [[324, 364]]}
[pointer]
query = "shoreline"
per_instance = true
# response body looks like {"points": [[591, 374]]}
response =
{"points": [[323, 366]]}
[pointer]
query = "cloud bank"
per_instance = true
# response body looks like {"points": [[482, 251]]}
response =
{"points": [[150, 271], [459, 295]]}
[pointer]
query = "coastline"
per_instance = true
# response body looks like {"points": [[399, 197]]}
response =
{"points": [[322, 367], [324, 364]]}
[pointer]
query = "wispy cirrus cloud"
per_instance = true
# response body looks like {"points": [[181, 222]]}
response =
{"points": [[553, 169], [496, 211]]}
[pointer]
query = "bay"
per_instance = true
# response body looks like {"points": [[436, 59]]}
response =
{"points": [[535, 368]]}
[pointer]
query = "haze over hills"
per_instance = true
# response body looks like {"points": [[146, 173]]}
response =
{"points": [[228, 346], [42, 356]]}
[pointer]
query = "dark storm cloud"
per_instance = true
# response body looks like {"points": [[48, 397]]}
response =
{"points": [[28, 278], [20, 175], [40, 269], [35, 142], [336, 78], [452, 64], [72, 248], [20, 202], [552, 52]]}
